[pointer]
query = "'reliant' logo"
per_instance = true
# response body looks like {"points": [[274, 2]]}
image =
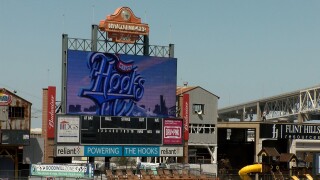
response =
{"points": [[116, 86]]}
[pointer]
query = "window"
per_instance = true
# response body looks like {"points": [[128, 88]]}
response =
{"points": [[16, 112], [198, 108]]}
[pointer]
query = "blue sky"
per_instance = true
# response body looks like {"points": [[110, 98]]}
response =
{"points": [[239, 50]]}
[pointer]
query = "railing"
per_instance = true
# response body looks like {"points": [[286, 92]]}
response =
{"points": [[121, 48]]}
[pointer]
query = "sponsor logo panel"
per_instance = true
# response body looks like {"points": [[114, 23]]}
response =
{"points": [[103, 151], [141, 151], [290, 131], [51, 111], [185, 115], [172, 131], [68, 129], [171, 151], [69, 151], [62, 170]]}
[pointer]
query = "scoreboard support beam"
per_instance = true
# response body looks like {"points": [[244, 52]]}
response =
{"points": [[91, 159], [107, 162]]}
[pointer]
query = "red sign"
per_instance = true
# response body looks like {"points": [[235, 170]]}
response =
{"points": [[185, 115], [172, 131], [123, 26], [51, 111]]}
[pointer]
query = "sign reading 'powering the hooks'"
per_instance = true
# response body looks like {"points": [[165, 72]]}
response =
{"points": [[123, 26]]}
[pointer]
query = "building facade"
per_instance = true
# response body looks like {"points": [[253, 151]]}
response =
{"points": [[15, 121], [199, 107]]}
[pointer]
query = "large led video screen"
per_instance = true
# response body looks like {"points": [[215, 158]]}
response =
{"points": [[120, 85]]}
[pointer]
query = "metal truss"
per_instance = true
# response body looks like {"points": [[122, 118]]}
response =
{"points": [[282, 107], [105, 44], [79, 44], [310, 100], [305, 102], [299, 105], [159, 51]]}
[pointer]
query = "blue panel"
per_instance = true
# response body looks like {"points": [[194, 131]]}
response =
{"points": [[140, 151], [102, 151]]}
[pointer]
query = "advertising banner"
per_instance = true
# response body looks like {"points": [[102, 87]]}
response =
{"points": [[102, 151], [171, 151], [290, 131], [69, 151], [68, 128], [185, 115], [118, 151], [120, 85], [172, 131], [54, 170], [141, 151], [123, 26], [51, 111]]}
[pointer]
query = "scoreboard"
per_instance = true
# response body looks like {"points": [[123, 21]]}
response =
{"points": [[97, 130]]}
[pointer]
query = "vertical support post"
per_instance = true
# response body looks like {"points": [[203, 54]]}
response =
{"points": [[215, 154], [94, 38], [107, 162], [16, 162], [146, 45], [243, 113], [185, 159], [91, 159], [258, 118], [300, 118], [64, 72], [171, 50]]}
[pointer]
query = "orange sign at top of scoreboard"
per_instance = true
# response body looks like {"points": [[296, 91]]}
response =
{"points": [[123, 26]]}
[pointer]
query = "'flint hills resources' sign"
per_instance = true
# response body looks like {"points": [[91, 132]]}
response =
{"points": [[290, 131], [123, 26]]}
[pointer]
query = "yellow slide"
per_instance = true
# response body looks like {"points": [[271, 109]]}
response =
{"points": [[243, 173], [294, 177], [309, 177]]}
